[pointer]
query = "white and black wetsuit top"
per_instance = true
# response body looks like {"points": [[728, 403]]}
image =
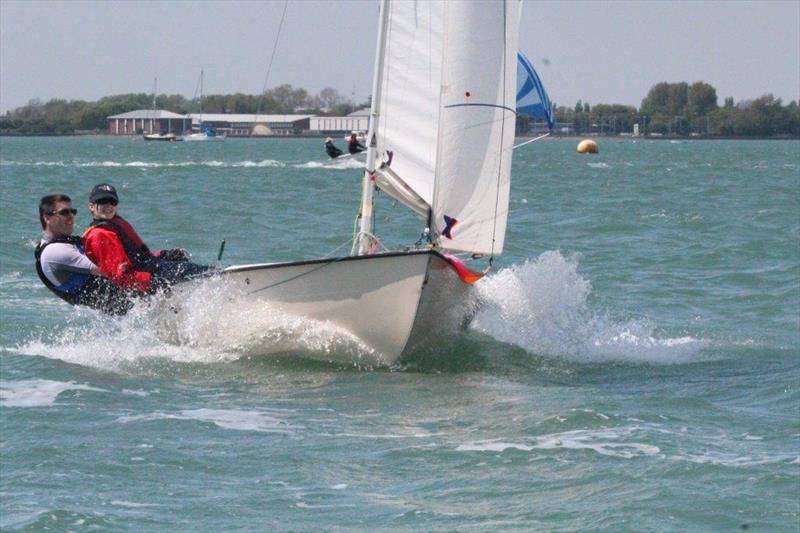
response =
{"points": [[65, 269], [65, 264]]}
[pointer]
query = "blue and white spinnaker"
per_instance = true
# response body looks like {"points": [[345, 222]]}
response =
{"points": [[532, 99]]}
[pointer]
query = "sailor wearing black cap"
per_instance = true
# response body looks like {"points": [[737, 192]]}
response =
{"points": [[119, 252]]}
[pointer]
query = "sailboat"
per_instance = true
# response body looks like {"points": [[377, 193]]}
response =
{"points": [[206, 132], [440, 142], [161, 135]]}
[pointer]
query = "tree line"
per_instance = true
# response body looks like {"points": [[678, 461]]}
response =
{"points": [[669, 109], [66, 117], [683, 110]]}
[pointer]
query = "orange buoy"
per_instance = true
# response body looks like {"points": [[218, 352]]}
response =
{"points": [[587, 146]]}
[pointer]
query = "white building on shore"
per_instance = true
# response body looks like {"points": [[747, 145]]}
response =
{"points": [[146, 121]]}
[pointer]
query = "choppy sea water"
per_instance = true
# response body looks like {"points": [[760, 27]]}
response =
{"points": [[636, 365]]}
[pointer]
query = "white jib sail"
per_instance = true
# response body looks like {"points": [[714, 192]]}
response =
{"points": [[446, 109], [408, 103]]}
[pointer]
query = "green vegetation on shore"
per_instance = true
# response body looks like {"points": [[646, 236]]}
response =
{"points": [[683, 110], [669, 109]]}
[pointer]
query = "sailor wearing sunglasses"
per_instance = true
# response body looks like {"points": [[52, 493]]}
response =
{"points": [[121, 255], [63, 266]]}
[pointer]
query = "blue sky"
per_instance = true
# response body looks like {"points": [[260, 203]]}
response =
{"points": [[601, 52]]}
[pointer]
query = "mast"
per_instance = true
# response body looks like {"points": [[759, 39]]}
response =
{"points": [[152, 118], [363, 240], [201, 98]]}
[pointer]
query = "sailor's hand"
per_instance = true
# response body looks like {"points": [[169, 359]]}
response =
{"points": [[94, 271], [175, 254]]}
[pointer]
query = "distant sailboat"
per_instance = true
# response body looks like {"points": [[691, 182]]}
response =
{"points": [[206, 132], [439, 142], [161, 135]]}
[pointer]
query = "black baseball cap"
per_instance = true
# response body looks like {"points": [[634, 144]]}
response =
{"points": [[103, 190]]}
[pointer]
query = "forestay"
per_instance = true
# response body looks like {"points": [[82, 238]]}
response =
{"points": [[445, 108]]}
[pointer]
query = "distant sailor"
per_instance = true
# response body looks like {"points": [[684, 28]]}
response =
{"points": [[122, 256], [354, 146], [62, 264], [332, 150]]}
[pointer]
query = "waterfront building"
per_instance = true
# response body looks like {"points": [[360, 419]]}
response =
{"points": [[146, 121], [355, 121], [247, 125]]}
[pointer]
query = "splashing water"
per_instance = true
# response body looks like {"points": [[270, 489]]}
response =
{"points": [[206, 323], [541, 306]]}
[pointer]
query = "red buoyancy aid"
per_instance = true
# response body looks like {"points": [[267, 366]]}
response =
{"points": [[135, 248]]}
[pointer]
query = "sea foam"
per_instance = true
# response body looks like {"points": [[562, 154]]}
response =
{"points": [[36, 392]]}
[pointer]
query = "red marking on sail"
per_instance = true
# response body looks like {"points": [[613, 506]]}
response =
{"points": [[467, 276], [448, 227]]}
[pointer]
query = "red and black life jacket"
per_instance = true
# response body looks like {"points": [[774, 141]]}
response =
{"points": [[136, 250]]}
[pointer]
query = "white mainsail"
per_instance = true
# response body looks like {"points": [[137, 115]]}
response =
{"points": [[445, 109]]}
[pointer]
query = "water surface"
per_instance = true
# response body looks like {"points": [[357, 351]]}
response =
{"points": [[635, 367]]}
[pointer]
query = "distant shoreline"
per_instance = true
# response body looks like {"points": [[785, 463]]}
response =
{"points": [[523, 138]]}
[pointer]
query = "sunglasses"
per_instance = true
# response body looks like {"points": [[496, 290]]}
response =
{"points": [[105, 201], [64, 212]]}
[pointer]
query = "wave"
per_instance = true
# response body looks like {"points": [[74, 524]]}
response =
{"points": [[148, 164], [333, 164], [264, 421], [36, 392], [609, 442], [542, 307]]}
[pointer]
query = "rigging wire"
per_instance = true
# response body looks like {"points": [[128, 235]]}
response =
{"points": [[531, 140], [271, 58]]}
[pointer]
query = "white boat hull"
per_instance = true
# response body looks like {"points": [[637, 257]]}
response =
{"points": [[360, 157], [203, 137], [392, 303], [170, 137]]}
